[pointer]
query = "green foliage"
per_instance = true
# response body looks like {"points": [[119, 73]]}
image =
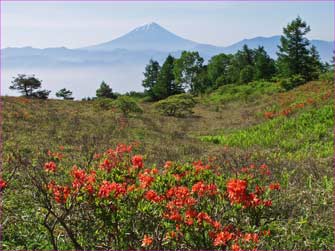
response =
{"points": [[41, 94], [127, 105], [218, 69], [177, 105], [187, 69], [249, 91], [264, 66], [29, 86], [294, 56], [310, 133], [104, 104], [166, 83], [105, 91], [246, 74], [151, 78], [64, 93], [328, 76], [292, 82]]}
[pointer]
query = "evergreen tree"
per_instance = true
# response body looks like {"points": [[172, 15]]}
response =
{"points": [[151, 77], [202, 81], [264, 65], [26, 85], [166, 84], [64, 93], [105, 91], [294, 55], [241, 69], [29, 86], [218, 70], [246, 74]]}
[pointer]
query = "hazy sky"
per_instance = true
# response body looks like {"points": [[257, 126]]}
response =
{"points": [[77, 24]]}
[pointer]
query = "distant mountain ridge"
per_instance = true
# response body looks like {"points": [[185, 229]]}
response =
{"points": [[120, 61], [139, 45]]}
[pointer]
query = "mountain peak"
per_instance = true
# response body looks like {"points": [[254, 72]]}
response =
{"points": [[150, 36], [149, 26]]}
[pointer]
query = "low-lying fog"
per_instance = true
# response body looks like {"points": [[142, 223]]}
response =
{"points": [[83, 82]]}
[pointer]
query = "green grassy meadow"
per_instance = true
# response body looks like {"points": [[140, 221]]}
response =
{"points": [[228, 125]]}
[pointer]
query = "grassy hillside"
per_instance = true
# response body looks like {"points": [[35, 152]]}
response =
{"points": [[234, 127]]}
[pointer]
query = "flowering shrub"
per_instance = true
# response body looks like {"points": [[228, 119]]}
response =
{"points": [[191, 205], [290, 109], [3, 184]]}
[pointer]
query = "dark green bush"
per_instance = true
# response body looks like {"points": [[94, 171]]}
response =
{"points": [[103, 103], [178, 105], [127, 105], [292, 82]]}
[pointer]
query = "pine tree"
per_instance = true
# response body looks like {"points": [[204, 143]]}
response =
{"points": [[264, 65], [166, 84], [105, 91], [64, 93], [294, 56], [26, 85], [151, 77]]}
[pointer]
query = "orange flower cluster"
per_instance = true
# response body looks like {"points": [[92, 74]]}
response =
{"points": [[289, 110], [202, 189], [147, 241], [199, 166], [82, 179], [50, 166], [151, 195], [3, 184], [137, 161], [183, 197], [114, 156], [107, 188], [55, 155], [60, 193]]}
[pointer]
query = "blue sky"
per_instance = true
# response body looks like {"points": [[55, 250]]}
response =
{"points": [[77, 24]]}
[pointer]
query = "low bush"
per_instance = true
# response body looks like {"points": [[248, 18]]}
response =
{"points": [[292, 82], [127, 105], [103, 104], [178, 105], [253, 90], [327, 77]]}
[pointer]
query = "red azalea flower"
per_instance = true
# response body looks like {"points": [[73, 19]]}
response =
{"points": [[168, 164], [274, 186], [151, 195], [222, 238], [137, 161], [145, 180], [147, 241], [3, 184], [50, 166]]}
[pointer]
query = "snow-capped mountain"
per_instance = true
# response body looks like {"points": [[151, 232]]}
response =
{"points": [[151, 36]]}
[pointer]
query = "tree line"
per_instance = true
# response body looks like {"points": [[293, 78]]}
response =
{"points": [[188, 73]]}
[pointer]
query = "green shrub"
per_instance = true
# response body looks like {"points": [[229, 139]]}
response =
{"points": [[178, 105], [328, 77], [103, 104], [292, 82], [127, 105], [249, 91]]}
